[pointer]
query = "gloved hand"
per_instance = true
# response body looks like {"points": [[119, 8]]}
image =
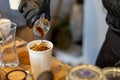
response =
{"points": [[32, 9]]}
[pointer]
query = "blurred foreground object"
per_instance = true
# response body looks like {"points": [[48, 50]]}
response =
{"points": [[85, 72], [112, 73], [47, 75], [16, 75], [2, 74], [76, 21]]}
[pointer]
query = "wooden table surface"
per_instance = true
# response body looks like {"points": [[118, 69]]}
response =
{"points": [[58, 68]]}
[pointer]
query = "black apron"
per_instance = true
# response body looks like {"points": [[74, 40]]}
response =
{"points": [[109, 55]]}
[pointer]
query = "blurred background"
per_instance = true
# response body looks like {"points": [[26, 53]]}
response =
{"points": [[77, 30]]}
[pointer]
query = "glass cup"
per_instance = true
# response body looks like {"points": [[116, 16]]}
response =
{"points": [[41, 26], [2, 20], [85, 72], [40, 60], [8, 54], [112, 73]]}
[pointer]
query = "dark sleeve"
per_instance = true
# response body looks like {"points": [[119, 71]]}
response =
{"points": [[113, 7], [113, 15]]}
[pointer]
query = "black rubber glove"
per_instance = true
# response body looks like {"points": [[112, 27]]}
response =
{"points": [[32, 9]]}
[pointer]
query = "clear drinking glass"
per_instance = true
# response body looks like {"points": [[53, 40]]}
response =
{"points": [[41, 26], [2, 20], [8, 54]]}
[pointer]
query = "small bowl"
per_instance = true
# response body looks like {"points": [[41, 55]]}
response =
{"points": [[111, 73], [16, 75]]}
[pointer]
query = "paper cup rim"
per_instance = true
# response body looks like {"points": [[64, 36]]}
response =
{"points": [[4, 20], [28, 44]]}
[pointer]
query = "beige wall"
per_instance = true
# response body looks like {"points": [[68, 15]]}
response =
{"points": [[25, 33]]}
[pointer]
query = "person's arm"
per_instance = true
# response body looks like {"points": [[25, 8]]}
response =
{"points": [[32, 9], [113, 7], [113, 15]]}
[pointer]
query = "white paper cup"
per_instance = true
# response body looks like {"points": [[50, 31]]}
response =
{"points": [[40, 60], [14, 4], [3, 20]]}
